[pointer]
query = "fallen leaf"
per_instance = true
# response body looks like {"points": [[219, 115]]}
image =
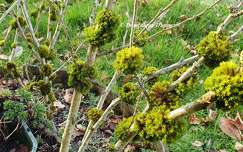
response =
{"points": [[229, 127], [239, 122], [130, 148], [197, 143], [194, 120], [211, 116], [59, 105], [79, 131], [238, 147], [68, 95]]}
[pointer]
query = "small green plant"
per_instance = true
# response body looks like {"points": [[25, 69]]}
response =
{"points": [[5, 92], [25, 94], [14, 111]]}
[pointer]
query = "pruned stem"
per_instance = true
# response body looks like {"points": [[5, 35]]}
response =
{"points": [[107, 90], [91, 55], [199, 104], [172, 67], [236, 34], [228, 20], [187, 74], [71, 120]]}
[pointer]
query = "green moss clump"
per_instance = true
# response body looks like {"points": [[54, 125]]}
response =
{"points": [[129, 93], [46, 53], [215, 48], [227, 82], [13, 23], [46, 69], [147, 71], [45, 88], [78, 75], [12, 69], [140, 40], [2, 42], [151, 126], [159, 95], [129, 60], [103, 30], [54, 13], [156, 126], [94, 114], [186, 84], [122, 130]]}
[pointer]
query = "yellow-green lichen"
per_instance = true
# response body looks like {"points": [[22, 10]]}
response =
{"points": [[129, 92], [46, 69], [94, 114], [45, 88], [13, 23], [79, 74], [148, 71], [46, 53], [140, 39], [215, 48], [129, 60], [151, 126], [12, 69], [227, 82], [103, 30], [186, 84], [156, 126], [2, 42], [159, 95], [123, 131]]}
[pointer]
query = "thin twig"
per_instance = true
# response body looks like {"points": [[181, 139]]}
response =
{"points": [[8, 11], [133, 21], [162, 11], [185, 21]]}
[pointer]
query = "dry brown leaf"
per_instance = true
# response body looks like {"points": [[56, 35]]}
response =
{"points": [[238, 147], [130, 148], [197, 143], [79, 131], [239, 122], [229, 127], [194, 120], [59, 105], [68, 95]]}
